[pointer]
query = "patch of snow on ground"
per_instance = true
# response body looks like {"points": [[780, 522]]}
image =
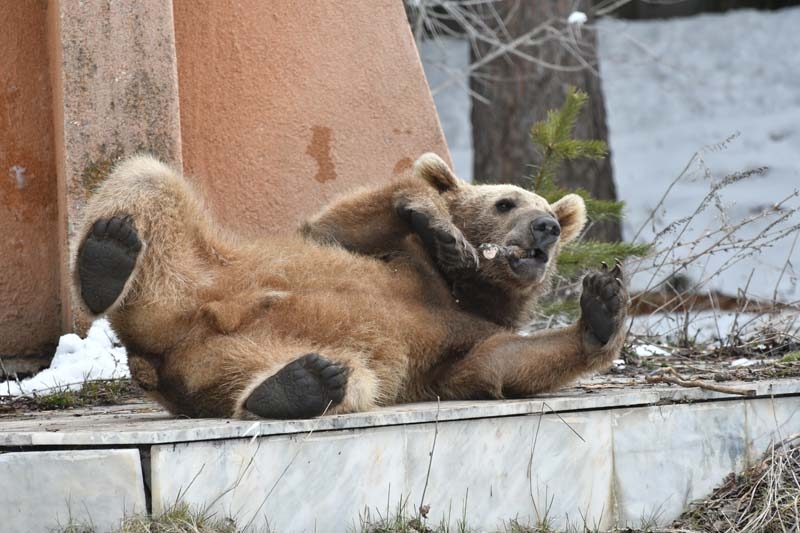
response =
{"points": [[675, 86], [711, 328], [647, 350], [98, 356]]}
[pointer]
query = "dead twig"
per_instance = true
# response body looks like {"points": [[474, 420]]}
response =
{"points": [[669, 375], [424, 509], [6, 376]]}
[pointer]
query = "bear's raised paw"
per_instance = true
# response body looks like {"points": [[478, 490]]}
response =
{"points": [[443, 241], [603, 302], [302, 389], [106, 260]]}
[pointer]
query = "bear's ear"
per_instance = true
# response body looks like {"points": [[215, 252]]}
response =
{"points": [[571, 214], [435, 171]]}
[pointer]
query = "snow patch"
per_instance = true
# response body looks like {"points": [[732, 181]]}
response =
{"points": [[98, 356], [647, 350], [577, 19], [666, 100], [710, 328]]}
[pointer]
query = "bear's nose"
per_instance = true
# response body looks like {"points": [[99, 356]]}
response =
{"points": [[545, 231]]}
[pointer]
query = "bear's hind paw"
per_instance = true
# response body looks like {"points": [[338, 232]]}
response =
{"points": [[106, 261], [303, 388]]}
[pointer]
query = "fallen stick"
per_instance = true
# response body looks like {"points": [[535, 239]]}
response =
{"points": [[491, 251], [601, 386], [676, 379]]}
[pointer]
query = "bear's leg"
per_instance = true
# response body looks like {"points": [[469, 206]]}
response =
{"points": [[304, 388], [105, 261], [506, 364]]}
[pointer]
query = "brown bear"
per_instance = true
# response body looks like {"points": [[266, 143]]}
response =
{"points": [[286, 327]]}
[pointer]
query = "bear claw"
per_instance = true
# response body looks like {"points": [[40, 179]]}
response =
{"points": [[603, 302], [106, 260], [304, 388], [447, 245]]}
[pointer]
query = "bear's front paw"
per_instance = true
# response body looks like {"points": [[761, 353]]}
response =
{"points": [[302, 389], [604, 303], [445, 242]]}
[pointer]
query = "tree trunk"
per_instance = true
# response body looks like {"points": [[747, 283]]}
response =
{"points": [[521, 91]]}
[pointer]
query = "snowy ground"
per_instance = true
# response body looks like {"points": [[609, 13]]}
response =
{"points": [[679, 86]]}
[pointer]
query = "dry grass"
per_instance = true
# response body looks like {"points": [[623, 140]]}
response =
{"points": [[181, 518], [764, 498], [91, 393]]}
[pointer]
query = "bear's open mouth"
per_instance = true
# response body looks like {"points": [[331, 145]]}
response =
{"points": [[539, 255], [526, 261], [517, 252]]}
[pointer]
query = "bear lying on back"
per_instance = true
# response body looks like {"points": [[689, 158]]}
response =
{"points": [[286, 327]]}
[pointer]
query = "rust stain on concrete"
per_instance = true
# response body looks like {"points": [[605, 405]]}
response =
{"points": [[320, 149], [97, 169], [402, 166]]}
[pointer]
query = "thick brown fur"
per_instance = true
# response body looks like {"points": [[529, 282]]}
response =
{"points": [[207, 317]]}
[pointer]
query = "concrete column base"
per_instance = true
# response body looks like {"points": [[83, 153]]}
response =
{"points": [[115, 93]]}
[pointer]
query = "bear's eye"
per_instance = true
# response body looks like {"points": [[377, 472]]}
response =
{"points": [[504, 206]]}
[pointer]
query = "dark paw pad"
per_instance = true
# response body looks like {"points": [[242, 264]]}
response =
{"points": [[106, 260], [302, 389], [603, 302], [447, 245]]}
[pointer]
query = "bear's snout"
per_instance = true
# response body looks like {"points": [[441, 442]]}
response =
{"points": [[545, 231]]}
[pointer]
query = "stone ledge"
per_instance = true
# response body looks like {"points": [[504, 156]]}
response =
{"points": [[145, 425]]}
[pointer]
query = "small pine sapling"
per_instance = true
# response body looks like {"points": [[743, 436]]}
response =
{"points": [[554, 138]]}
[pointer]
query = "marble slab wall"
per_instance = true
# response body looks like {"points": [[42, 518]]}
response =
{"points": [[599, 467], [88, 489]]}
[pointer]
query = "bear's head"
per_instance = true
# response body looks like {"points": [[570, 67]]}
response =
{"points": [[508, 216]]}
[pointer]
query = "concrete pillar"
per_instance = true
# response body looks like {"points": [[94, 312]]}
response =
{"points": [[287, 104], [29, 316], [115, 92]]}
